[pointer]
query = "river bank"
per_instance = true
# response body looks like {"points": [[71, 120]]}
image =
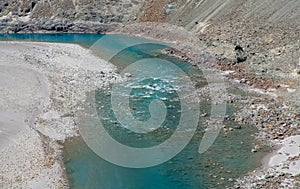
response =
{"points": [[40, 85]]}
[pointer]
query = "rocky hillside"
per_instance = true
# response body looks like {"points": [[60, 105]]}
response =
{"points": [[101, 15], [66, 15]]}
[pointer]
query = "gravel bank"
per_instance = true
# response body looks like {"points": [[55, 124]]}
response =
{"points": [[41, 87]]}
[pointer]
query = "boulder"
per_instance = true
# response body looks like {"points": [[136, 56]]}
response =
{"points": [[241, 55], [48, 25], [61, 27]]}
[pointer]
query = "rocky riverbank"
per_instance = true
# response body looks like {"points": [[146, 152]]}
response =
{"points": [[271, 104]]}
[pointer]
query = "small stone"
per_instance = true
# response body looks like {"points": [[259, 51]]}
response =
{"points": [[240, 120], [254, 150], [128, 75], [269, 176], [203, 115]]}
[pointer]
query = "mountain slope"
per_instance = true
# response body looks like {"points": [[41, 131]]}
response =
{"points": [[108, 13]]}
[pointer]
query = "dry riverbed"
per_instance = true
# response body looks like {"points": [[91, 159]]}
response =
{"points": [[41, 87]]}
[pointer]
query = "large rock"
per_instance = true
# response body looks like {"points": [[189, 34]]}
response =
{"points": [[48, 25], [241, 55], [61, 27]]}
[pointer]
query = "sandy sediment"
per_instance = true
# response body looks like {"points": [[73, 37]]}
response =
{"points": [[41, 87], [287, 158]]}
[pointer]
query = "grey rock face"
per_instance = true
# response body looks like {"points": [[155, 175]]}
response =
{"points": [[85, 15], [117, 12]]}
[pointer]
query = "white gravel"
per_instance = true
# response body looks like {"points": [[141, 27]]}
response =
{"points": [[41, 87], [287, 158]]}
